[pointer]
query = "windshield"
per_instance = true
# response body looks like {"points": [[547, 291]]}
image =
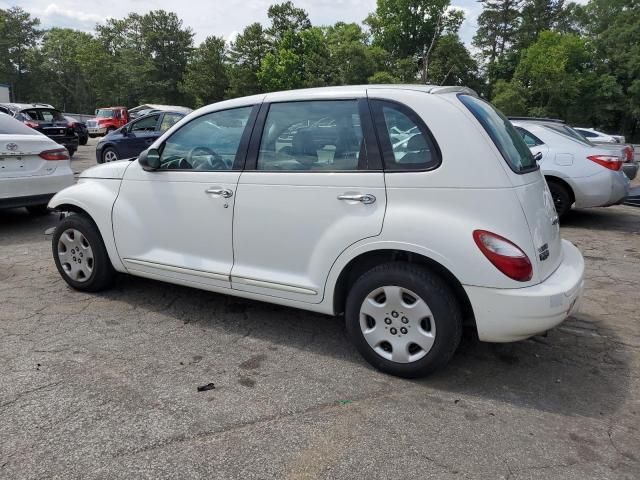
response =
{"points": [[510, 143], [104, 113]]}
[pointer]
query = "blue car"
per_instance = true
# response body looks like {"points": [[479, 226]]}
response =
{"points": [[135, 136]]}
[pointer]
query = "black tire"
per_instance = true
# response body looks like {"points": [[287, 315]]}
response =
{"points": [[561, 198], [83, 140], [109, 150], [103, 273], [38, 209], [440, 300], [72, 151]]}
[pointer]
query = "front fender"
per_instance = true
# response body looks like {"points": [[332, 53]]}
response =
{"points": [[95, 197]]}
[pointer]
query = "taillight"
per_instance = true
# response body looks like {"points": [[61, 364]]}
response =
{"points": [[31, 124], [505, 255], [57, 154], [607, 161], [629, 153]]}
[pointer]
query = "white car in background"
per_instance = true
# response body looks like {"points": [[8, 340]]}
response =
{"points": [[33, 167], [599, 137], [577, 171], [307, 198]]}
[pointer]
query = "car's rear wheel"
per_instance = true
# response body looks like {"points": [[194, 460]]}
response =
{"points": [[109, 155], [561, 198], [38, 209], [80, 255], [83, 140], [403, 319], [71, 151]]}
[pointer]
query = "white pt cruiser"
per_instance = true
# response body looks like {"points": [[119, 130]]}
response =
{"points": [[413, 210]]}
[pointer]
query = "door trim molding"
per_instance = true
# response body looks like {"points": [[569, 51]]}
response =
{"points": [[176, 269], [253, 282]]}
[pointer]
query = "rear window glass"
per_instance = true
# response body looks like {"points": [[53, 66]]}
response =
{"points": [[569, 132], [510, 143], [44, 115], [11, 126]]}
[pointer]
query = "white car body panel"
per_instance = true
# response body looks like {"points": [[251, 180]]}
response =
{"points": [[285, 238]]}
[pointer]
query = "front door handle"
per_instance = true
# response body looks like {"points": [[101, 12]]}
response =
{"points": [[220, 192], [366, 198]]}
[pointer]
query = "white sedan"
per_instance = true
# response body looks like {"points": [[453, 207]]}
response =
{"points": [[33, 168], [577, 171]]}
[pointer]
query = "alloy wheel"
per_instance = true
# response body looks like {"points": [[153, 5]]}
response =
{"points": [[397, 324], [110, 156]]}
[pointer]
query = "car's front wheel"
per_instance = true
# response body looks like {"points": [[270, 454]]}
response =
{"points": [[80, 255], [109, 155], [403, 319]]}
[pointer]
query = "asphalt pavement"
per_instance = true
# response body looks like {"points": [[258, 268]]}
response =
{"points": [[103, 386]]}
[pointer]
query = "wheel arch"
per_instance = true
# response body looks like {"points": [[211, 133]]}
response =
{"points": [[94, 200], [562, 182], [372, 258]]}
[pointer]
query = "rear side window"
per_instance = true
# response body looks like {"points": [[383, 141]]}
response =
{"points": [[44, 115], [11, 126], [504, 135], [406, 142], [529, 138]]}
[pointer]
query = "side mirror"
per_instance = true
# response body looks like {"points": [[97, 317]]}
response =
{"points": [[150, 159], [537, 156]]}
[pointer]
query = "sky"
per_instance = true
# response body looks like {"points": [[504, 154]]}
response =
{"points": [[212, 17]]}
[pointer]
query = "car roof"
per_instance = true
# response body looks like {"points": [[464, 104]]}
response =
{"points": [[164, 108], [362, 89], [25, 106]]}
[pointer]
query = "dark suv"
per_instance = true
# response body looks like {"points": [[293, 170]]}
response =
{"points": [[45, 119]]}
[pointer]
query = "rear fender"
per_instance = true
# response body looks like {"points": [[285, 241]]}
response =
{"points": [[95, 197]]}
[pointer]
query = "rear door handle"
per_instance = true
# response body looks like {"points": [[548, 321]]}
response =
{"points": [[220, 192], [365, 198]]}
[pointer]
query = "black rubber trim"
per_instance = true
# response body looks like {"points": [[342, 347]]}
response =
{"points": [[385, 142], [16, 202]]}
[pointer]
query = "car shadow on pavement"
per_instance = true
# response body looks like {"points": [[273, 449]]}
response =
{"points": [[581, 368], [622, 219]]}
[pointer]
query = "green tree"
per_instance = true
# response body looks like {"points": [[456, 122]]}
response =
{"points": [[497, 27], [452, 64], [550, 70], [19, 35], [245, 57], [411, 28], [538, 16], [205, 79], [286, 17]]}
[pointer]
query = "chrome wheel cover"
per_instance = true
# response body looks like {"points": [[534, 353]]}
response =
{"points": [[75, 255], [397, 324]]}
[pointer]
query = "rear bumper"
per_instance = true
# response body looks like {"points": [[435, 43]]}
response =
{"points": [[509, 315], [23, 191], [601, 190]]}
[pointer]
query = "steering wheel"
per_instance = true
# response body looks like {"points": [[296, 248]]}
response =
{"points": [[215, 163]]}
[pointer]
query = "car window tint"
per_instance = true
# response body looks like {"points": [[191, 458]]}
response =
{"points": [[209, 142], [505, 137], [312, 136], [586, 133], [568, 132], [169, 120], [11, 126], [147, 124], [530, 139], [410, 145]]}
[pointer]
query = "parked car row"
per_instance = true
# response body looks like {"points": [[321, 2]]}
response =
{"points": [[110, 119], [47, 120]]}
